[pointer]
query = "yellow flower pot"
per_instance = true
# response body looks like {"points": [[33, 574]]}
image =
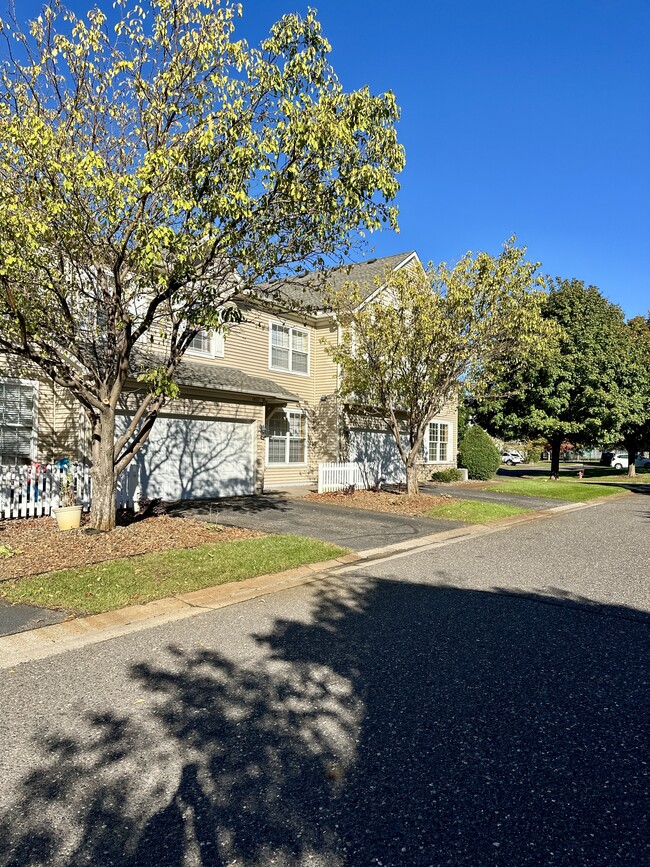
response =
{"points": [[68, 517]]}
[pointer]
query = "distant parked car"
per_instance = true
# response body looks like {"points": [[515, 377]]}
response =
{"points": [[511, 458], [621, 461]]}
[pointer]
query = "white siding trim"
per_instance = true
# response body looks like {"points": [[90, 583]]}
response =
{"points": [[410, 258]]}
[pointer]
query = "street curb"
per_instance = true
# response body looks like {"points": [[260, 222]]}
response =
{"points": [[471, 530], [59, 638], [71, 634]]}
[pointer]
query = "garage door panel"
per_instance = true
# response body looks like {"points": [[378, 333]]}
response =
{"points": [[377, 453], [196, 459]]}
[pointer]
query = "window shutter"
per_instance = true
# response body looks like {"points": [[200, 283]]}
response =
{"points": [[218, 344]]}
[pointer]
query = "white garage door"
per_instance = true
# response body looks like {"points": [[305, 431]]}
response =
{"points": [[377, 453], [186, 458]]}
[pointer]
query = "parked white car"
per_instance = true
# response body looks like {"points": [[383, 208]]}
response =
{"points": [[621, 461], [511, 458]]}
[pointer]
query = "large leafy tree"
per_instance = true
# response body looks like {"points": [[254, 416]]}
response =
{"points": [[572, 393], [634, 388], [404, 355], [153, 172]]}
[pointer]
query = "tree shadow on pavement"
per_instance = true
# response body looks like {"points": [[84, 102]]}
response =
{"points": [[403, 724], [246, 505]]}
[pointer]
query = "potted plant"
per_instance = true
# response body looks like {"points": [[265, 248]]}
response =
{"points": [[68, 513]]}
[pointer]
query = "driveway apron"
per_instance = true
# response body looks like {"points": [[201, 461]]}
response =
{"points": [[490, 495], [357, 529]]}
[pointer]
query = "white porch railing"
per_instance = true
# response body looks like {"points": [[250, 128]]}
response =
{"points": [[33, 491], [336, 477]]}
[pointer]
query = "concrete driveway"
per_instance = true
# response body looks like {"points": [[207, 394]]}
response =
{"points": [[357, 529]]}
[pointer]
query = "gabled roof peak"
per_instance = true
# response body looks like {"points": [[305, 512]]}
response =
{"points": [[307, 290]]}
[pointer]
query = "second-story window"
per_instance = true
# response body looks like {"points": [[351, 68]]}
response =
{"points": [[289, 349], [208, 344]]}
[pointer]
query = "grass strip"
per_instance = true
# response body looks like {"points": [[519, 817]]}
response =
{"points": [[474, 511], [135, 580], [572, 492]]}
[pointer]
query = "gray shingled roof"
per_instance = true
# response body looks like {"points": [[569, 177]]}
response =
{"points": [[309, 289], [214, 377], [218, 378]]}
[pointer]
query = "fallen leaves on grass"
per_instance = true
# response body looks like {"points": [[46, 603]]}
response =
{"points": [[38, 545], [412, 505]]}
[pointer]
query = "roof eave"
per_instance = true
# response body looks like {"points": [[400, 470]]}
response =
{"points": [[412, 257]]}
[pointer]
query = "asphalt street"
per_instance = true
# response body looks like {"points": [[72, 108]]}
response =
{"points": [[482, 703]]}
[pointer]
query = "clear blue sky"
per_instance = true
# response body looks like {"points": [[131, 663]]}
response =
{"points": [[517, 117]]}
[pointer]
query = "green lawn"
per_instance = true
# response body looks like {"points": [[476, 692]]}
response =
{"points": [[593, 471], [572, 492], [474, 511], [131, 581], [610, 475]]}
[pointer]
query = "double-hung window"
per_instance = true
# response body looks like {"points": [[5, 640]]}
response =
{"points": [[207, 344], [289, 349], [287, 437], [17, 421], [437, 443]]}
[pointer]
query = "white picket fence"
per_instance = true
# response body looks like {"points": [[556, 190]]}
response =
{"points": [[33, 491], [336, 477]]}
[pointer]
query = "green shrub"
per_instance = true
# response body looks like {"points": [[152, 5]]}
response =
{"points": [[478, 453], [451, 474]]}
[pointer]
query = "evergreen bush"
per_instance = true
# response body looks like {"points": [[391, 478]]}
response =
{"points": [[478, 453], [451, 474]]}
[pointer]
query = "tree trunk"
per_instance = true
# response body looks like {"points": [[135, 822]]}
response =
{"points": [[556, 443], [632, 448], [103, 508], [412, 483]]}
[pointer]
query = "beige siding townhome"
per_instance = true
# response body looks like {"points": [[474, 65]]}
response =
{"points": [[258, 407]]}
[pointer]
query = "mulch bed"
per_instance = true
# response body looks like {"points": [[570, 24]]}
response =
{"points": [[413, 505], [40, 546]]}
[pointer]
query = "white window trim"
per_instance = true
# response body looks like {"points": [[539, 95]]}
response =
{"points": [[287, 438], [33, 441], [427, 440], [215, 351], [291, 328]]}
